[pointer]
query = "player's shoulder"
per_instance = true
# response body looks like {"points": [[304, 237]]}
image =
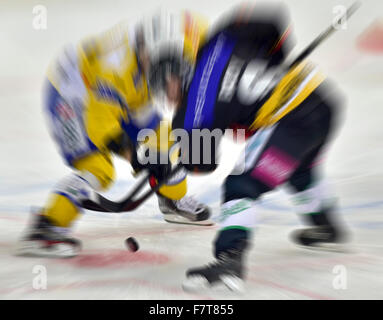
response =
{"points": [[110, 48], [196, 30], [99, 44], [250, 20], [108, 54]]}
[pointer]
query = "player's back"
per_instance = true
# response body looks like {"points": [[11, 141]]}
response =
{"points": [[107, 66], [235, 69], [101, 79], [110, 68]]}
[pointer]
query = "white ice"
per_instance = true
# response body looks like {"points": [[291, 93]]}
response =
{"points": [[30, 165]]}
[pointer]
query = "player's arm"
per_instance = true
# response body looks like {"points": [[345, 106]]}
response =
{"points": [[147, 144]]}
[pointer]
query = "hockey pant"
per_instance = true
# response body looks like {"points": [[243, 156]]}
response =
{"points": [[286, 153]]}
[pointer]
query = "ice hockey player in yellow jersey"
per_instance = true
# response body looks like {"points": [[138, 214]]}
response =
{"points": [[98, 97]]}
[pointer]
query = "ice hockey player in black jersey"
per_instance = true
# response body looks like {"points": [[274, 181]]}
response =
{"points": [[240, 81]]}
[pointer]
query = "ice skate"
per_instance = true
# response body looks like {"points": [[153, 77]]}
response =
{"points": [[226, 273], [43, 240], [328, 238], [185, 211]]}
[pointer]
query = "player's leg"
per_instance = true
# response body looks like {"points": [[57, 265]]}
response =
{"points": [[175, 205], [184, 210], [237, 220], [314, 200], [316, 205], [268, 164], [49, 231]]}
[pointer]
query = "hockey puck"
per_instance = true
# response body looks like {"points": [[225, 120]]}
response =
{"points": [[131, 244]]}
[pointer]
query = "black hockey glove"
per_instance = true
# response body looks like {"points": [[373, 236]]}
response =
{"points": [[159, 171], [121, 144], [159, 168]]}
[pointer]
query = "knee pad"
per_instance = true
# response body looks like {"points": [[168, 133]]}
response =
{"points": [[61, 211], [77, 188], [175, 189], [65, 203], [240, 213], [313, 198], [97, 169]]}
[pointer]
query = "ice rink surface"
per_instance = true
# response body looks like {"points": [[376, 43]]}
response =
{"points": [[30, 165]]}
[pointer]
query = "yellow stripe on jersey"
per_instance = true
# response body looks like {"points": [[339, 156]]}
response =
{"points": [[195, 29], [289, 93], [277, 46]]}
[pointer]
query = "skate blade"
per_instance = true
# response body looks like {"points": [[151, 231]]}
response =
{"points": [[173, 218], [227, 285], [36, 249], [329, 247]]}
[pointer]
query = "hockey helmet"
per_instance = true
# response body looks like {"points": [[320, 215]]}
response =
{"points": [[171, 42]]}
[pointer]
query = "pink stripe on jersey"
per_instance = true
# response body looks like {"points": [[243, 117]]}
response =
{"points": [[274, 167]]}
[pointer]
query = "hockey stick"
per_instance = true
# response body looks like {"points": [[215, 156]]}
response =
{"points": [[325, 34], [100, 203]]}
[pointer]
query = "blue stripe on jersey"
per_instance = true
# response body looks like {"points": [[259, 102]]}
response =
{"points": [[203, 89]]}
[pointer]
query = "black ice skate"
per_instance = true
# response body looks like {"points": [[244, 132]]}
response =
{"points": [[185, 211], [43, 240], [326, 231], [224, 273], [321, 237]]}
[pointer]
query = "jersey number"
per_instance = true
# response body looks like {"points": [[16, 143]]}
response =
{"points": [[253, 85]]}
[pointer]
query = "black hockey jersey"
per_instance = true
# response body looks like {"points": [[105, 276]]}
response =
{"points": [[238, 80]]}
